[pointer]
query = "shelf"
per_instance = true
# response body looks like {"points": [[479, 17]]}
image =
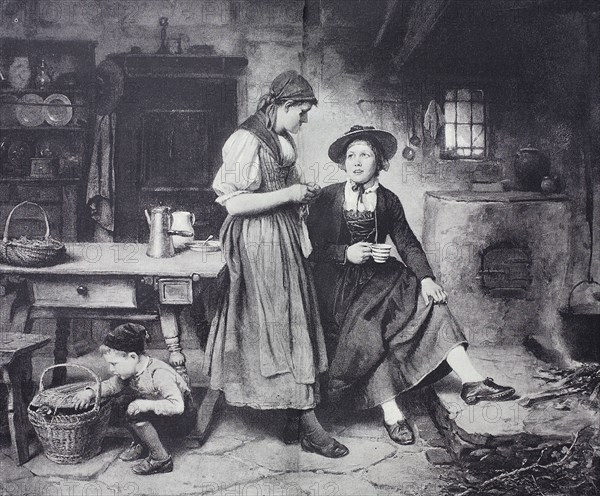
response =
{"points": [[62, 91], [55, 180], [43, 128]]}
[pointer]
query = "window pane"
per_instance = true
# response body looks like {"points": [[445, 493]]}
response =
{"points": [[477, 113], [478, 137], [450, 112], [477, 95], [463, 136], [464, 152], [478, 152], [464, 112], [464, 95], [450, 95], [450, 136]]}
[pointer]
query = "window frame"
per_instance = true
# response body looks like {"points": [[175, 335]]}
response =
{"points": [[452, 155]]}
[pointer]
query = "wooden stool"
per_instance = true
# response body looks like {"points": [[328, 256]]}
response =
{"points": [[15, 360]]}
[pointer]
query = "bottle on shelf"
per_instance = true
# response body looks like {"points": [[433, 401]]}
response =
{"points": [[43, 79]]}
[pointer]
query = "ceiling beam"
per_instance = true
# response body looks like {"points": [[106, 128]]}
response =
{"points": [[424, 16], [390, 13]]}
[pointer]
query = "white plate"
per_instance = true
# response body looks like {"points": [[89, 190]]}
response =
{"points": [[207, 247], [58, 110], [30, 115]]}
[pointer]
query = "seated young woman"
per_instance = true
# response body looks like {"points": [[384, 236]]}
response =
{"points": [[387, 326]]}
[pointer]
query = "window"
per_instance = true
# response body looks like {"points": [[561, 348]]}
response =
{"points": [[465, 127]]}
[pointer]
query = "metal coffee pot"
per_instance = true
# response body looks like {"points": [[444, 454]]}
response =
{"points": [[160, 244]]}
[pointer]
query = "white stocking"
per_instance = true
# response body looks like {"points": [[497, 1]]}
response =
{"points": [[460, 362], [391, 412]]}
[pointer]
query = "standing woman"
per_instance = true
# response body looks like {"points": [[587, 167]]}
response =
{"points": [[266, 347], [387, 327]]}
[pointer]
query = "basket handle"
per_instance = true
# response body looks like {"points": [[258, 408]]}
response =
{"points": [[91, 372], [46, 236], [575, 287]]}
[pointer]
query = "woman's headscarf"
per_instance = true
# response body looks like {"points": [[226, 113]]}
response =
{"points": [[288, 86]]}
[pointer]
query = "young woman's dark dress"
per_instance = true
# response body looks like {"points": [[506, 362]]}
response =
{"points": [[382, 339]]}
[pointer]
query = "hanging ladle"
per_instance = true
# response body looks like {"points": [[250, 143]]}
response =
{"points": [[408, 153], [414, 139]]}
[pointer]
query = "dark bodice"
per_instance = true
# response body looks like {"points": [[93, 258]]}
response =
{"points": [[362, 226]]}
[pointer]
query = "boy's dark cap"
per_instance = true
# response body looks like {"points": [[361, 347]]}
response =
{"points": [[128, 337]]}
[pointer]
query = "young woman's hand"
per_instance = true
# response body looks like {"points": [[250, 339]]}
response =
{"points": [[83, 399], [303, 193], [358, 253], [429, 289]]}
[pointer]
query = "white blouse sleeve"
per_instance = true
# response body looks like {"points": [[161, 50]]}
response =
{"points": [[240, 171]]}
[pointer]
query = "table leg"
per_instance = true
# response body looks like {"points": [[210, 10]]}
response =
{"points": [[170, 332], [17, 415], [63, 329]]}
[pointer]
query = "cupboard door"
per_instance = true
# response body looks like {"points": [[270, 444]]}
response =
{"points": [[178, 149]]}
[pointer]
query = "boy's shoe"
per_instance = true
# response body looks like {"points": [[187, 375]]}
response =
{"points": [[150, 466], [486, 390], [135, 452]]}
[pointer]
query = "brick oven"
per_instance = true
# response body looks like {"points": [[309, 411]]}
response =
{"points": [[502, 257]]}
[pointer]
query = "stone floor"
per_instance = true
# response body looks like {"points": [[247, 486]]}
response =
{"points": [[243, 456]]}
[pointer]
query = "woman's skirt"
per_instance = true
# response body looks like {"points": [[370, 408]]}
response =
{"points": [[266, 346], [385, 339]]}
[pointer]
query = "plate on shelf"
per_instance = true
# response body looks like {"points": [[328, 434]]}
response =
{"points": [[58, 110], [202, 246], [19, 155], [29, 110], [7, 110]]}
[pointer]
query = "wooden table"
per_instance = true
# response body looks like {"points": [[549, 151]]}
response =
{"points": [[104, 281], [15, 362]]}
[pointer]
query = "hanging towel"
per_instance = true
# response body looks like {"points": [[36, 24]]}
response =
{"points": [[101, 179], [433, 118]]}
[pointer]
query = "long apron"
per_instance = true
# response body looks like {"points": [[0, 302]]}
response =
{"points": [[266, 347]]}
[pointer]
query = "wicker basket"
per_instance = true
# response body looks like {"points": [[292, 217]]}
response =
{"points": [[32, 253], [69, 439]]}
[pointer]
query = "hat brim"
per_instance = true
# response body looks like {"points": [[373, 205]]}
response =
{"points": [[389, 144]]}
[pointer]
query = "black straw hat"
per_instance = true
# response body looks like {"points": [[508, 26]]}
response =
{"points": [[389, 144]]}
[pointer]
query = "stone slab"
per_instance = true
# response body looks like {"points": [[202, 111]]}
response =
{"points": [[42, 486], [406, 474], [494, 424], [309, 483], [194, 473], [41, 466], [10, 471], [274, 455]]}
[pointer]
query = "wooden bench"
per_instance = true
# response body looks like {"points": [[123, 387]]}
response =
{"points": [[15, 360]]}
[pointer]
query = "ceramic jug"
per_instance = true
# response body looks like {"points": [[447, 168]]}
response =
{"points": [[183, 221]]}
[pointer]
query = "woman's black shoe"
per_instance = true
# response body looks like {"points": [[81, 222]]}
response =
{"points": [[486, 390], [334, 449], [400, 432]]}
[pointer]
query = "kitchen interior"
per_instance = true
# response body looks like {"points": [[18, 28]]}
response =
{"points": [[114, 113]]}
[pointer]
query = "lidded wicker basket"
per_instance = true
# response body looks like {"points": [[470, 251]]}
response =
{"points": [[30, 252], [68, 438]]}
